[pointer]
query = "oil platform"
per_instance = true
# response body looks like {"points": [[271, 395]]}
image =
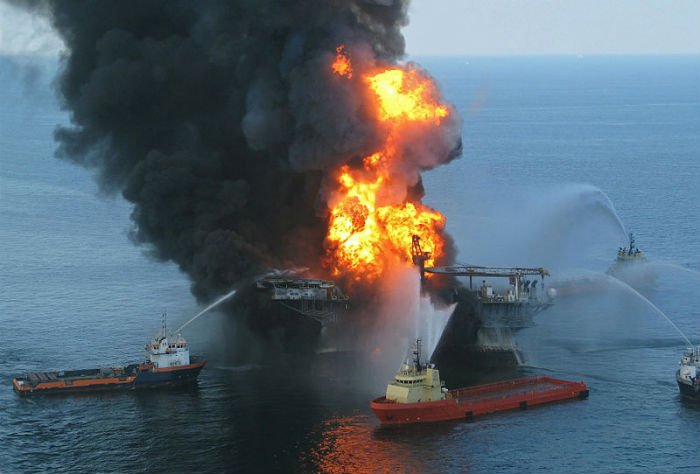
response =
{"points": [[512, 303], [480, 334], [293, 312], [290, 312], [320, 300]]}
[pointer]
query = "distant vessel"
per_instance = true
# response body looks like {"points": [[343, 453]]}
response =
{"points": [[417, 395], [687, 374], [168, 363], [627, 256], [629, 267]]}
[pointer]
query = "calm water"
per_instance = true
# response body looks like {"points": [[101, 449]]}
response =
{"points": [[560, 153]]}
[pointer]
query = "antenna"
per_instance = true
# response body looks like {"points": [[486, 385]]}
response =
{"points": [[163, 325], [631, 243], [416, 353]]}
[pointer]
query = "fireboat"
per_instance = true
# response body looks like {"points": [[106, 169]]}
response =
{"points": [[168, 362], [418, 395], [687, 374], [627, 256]]}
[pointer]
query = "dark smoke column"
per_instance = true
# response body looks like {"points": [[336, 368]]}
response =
{"points": [[219, 120]]}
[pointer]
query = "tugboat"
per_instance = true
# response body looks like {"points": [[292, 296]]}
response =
{"points": [[417, 395], [626, 256], [688, 374], [629, 269], [168, 363]]}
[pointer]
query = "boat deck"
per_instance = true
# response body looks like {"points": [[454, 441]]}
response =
{"points": [[36, 378], [39, 377], [517, 393]]}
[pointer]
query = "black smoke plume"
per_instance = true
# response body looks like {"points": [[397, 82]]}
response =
{"points": [[219, 120]]}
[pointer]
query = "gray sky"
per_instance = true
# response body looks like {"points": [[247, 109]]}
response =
{"points": [[21, 33], [487, 27], [553, 27]]}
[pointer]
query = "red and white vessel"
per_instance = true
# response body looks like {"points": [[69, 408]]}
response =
{"points": [[417, 395]]}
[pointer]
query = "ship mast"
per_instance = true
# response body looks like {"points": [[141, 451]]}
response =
{"points": [[416, 354], [631, 251], [163, 325]]}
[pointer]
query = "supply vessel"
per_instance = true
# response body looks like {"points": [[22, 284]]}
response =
{"points": [[417, 395], [168, 363], [687, 374]]}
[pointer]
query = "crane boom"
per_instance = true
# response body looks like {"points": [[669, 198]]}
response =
{"points": [[474, 270]]}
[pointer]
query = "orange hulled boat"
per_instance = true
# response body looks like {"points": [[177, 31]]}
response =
{"points": [[417, 395], [168, 363]]}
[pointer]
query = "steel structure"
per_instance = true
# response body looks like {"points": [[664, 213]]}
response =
{"points": [[474, 270]]}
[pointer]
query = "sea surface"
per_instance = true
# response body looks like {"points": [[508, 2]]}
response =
{"points": [[562, 157]]}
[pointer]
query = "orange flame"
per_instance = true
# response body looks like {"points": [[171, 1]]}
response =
{"points": [[342, 66], [367, 231], [404, 94]]}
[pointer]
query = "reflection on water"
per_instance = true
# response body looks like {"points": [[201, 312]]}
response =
{"points": [[357, 444], [347, 445]]}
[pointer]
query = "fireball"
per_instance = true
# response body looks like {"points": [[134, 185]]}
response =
{"points": [[366, 235]]}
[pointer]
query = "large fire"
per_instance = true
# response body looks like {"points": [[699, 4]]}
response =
{"points": [[369, 230]]}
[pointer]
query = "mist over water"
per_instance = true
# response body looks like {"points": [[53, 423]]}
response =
{"points": [[671, 267], [404, 315], [597, 283], [556, 227]]}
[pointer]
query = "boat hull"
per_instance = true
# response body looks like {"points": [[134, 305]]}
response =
{"points": [[467, 403], [688, 391], [63, 386], [132, 377], [167, 376]]}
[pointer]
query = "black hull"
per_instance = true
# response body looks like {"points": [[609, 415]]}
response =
{"points": [[167, 379], [688, 391]]}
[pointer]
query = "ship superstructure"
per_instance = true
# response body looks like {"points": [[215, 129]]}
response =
{"points": [[688, 374], [163, 351], [415, 382]]}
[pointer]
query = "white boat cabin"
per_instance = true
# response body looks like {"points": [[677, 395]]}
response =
{"points": [[164, 351]]}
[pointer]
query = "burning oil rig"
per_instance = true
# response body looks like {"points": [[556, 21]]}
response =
{"points": [[299, 312]]}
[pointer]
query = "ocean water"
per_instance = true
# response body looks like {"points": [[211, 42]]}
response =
{"points": [[562, 157]]}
